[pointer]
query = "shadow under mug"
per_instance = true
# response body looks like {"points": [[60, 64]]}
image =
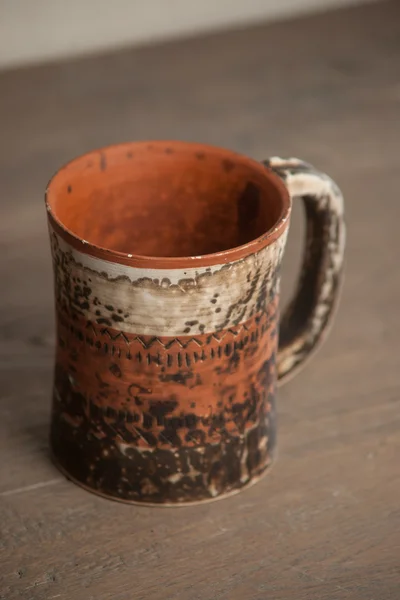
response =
{"points": [[167, 265]]}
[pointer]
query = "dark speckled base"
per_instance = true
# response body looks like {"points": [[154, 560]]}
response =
{"points": [[156, 475], [97, 492]]}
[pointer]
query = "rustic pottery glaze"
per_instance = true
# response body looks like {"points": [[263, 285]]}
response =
{"points": [[167, 265]]}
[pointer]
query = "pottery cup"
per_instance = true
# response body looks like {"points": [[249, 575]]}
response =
{"points": [[170, 345]]}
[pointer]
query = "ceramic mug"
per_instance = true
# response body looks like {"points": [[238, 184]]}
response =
{"points": [[167, 266]]}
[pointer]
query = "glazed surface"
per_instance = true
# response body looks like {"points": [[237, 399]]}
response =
{"points": [[164, 384]]}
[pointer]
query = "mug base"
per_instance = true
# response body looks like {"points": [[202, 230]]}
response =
{"points": [[254, 480]]}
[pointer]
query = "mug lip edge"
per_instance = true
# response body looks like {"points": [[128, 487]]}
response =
{"points": [[140, 260]]}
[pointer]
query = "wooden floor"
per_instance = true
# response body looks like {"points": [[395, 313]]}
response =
{"points": [[325, 524]]}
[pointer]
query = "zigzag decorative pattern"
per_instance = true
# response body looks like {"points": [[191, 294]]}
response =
{"points": [[107, 342], [167, 345]]}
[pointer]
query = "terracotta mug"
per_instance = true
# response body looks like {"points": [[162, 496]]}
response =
{"points": [[167, 265]]}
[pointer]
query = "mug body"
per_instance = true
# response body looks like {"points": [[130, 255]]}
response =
{"points": [[166, 261]]}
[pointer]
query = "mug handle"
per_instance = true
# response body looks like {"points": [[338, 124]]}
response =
{"points": [[309, 313]]}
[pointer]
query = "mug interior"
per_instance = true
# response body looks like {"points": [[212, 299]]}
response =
{"points": [[165, 199]]}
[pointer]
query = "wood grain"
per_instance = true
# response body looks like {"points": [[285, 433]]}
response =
{"points": [[325, 524]]}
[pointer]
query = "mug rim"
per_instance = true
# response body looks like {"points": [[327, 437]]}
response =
{"points": [[138, 260]]}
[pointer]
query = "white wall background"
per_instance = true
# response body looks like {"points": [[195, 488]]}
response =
{"points": [[36, 30]]}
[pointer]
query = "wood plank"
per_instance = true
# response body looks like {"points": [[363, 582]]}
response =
{"points": [[325, 524]]}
